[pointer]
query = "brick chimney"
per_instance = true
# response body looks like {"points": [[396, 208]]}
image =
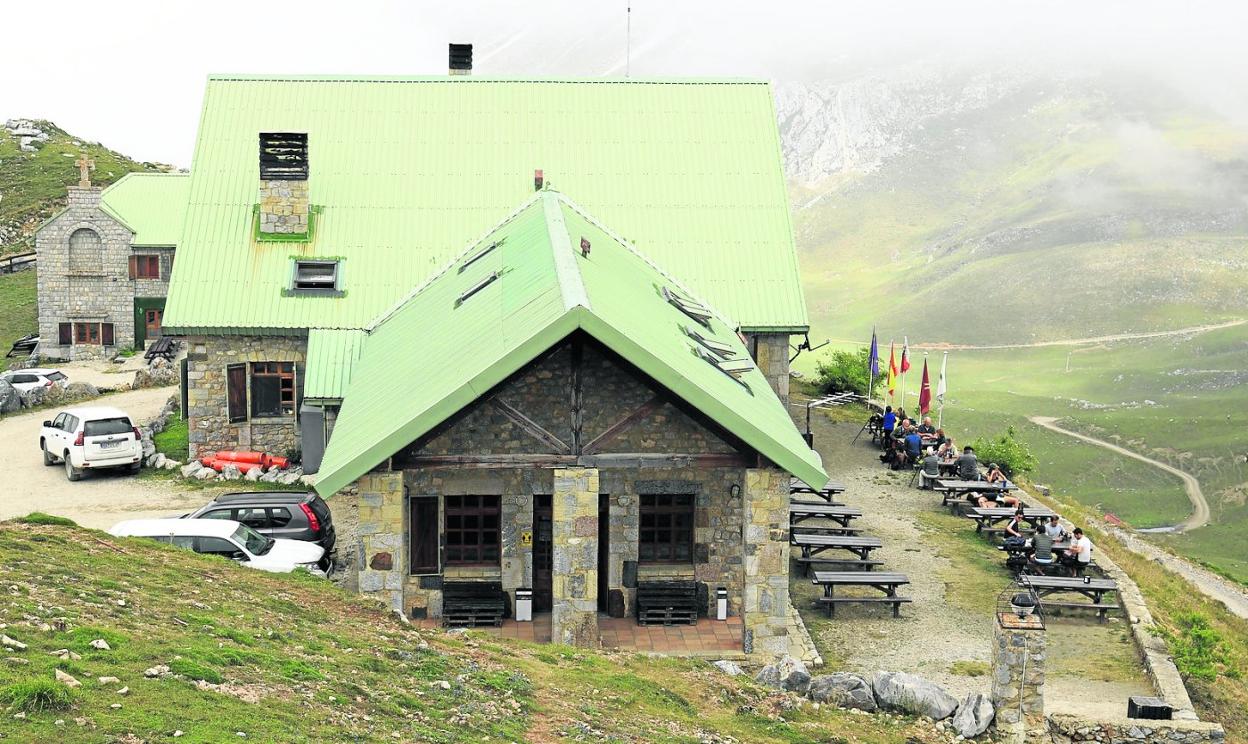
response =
{"points": [[284, 182], [461, 59]]}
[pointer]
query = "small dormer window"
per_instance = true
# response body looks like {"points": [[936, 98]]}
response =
{"points": [[314, 276]]}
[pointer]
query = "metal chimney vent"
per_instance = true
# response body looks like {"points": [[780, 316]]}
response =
{"points": [[461, 59]]}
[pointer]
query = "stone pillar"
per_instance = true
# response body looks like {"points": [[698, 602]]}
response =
{"points": [[574, 512], [379, 554], [284, 207], [1018, 656], [765, 606], [771, 354]]}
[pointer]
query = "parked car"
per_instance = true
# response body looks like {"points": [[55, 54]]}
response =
{"points": [[91, 438], [290, 515], [26, 380], [228, 539]]}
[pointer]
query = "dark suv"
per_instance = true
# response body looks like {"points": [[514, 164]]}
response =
{"points": [[294, 515]]}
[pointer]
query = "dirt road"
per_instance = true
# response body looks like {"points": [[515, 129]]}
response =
{"points": [[1087, 340], [1200, 507], [99, 499]]}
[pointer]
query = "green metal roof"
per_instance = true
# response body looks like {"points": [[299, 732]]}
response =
{"points": [[152, 205], [331, 357], [409, 170], [474, 332]]}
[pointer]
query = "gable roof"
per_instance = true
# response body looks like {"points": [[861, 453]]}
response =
{"points": [[151, 205], [408, 170], [482, 318]]}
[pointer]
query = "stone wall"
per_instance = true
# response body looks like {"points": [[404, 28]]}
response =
{"points": [[1018, 671], [380, 557], [284, 207], [574, 513], [771, 354], [210, 428], [766, 579], [1071, 729], [97, 287]]}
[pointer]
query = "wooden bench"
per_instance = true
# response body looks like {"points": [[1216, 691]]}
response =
{"points": [[473, 604], [884, 582], [803, 510], [1094, 590], [667, 603], [987, 517], [854, 564], [164, 346]]}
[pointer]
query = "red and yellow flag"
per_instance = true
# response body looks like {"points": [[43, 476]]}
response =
{"points": [[892, 369]]}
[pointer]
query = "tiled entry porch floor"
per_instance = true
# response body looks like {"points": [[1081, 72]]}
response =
{"points": [[707, 638]]}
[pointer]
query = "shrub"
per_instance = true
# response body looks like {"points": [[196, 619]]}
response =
{"points": [[37, 695], [1197, 649], [1006, 450], [844, 372], [195, 671], [49, 519]]}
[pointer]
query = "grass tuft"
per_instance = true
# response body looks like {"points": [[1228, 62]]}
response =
{"points": [[48, 519], [37, 696]]}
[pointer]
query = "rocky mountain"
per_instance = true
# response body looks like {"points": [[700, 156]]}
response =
{"points": [[1065, 205], [37, 165]]}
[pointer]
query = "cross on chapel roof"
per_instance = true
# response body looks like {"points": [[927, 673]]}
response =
{"points": [[85, 165]]}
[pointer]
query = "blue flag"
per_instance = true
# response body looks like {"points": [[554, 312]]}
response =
{"points": [[875, 355]]}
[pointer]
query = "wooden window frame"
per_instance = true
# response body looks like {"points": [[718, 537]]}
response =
{"points": [[284, 373], [481, 509], [93, 333], [424, 530], [668, 520], [145, 266]]}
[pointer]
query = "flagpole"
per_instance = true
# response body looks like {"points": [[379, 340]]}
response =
{"points": [[940, 414]]}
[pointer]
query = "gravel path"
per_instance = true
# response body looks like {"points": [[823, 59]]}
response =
{"points": [[98, 500]]}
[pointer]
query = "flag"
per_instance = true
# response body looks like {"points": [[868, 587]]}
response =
{"points": [[940, 384], [925, 392], [892, 369], [905, 354], [873, 363]]}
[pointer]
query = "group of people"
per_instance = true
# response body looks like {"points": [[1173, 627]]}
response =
{"points": [[1039, 547], [906, 443]]}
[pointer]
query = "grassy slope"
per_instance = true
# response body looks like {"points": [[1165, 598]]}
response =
{"points": [[18, 312], [323, 665], [33, 184]]}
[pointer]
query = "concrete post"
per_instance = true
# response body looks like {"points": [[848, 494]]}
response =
{"points": [[380, 556], [1018, 659], [765, 606], [574, 586]]}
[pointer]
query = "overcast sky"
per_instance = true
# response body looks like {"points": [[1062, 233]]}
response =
{"points": [[130, 73]]}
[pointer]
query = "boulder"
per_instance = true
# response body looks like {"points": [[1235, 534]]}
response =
{"points": [[974, 715], [271, 476], [149, 448], [66, 679], [912, 694], [10, 399], [190, 469], [231, 472], [253, 473], [731, 668], [843, 690], [205, 474], [290, 477], [158, 460], [34, 397], [787, 674], [80, 391], [171, 464]]}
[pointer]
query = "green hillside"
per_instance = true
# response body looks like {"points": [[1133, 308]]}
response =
{"points": [[294, 659], [18, 314], [33, 184]]}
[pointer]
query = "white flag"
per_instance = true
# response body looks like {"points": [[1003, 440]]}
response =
{"points": [[940, 386]]}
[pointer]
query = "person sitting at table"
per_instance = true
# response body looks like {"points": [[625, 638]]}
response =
{"points": [[926, 429], [914, 446], [890, 421], [931, 469], [901, 414], [994, 474], [1079, 554], [940, 439], [968, 465], [1041, 555], [1054, 529], [1014, 528]]}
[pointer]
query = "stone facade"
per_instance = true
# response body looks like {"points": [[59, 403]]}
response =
{"points": [[210, 427], [1071, 729], [1018, 661], [574, 504], [84, 277], [381, 538], [284, 207], [771, 354], [766, 549]]}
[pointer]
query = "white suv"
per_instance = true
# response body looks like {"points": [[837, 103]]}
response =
{"points": [[228, 539], [91, 438], [25, 380]]}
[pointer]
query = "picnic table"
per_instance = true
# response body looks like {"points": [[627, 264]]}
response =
{"points": [[1091, 589], [813, 546], [885, 582], [987, 517], [800, 511], [954, 488], [826, 492]]}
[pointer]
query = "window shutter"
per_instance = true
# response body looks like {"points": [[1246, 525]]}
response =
{"points": [[236, 392], [65, 332], [134, 272], [299, 368], [106, 334], [423, 558]]}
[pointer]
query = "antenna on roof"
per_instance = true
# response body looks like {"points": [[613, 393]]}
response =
{"points": [[628, 43]]}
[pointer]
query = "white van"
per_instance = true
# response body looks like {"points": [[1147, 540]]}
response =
{"points": [[228, 539], [91, 438]]}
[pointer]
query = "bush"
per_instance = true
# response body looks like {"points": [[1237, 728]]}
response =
{"points": [[37, 695], [844, 372], [1197, 649], [1006, 450], [48, 519]]}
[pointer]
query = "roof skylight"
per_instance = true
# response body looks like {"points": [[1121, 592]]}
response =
{"points": [[733, 368], [476, 288], [480, 254], [687, 306], [720, 348]]}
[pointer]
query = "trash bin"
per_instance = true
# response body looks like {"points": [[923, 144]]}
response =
{"points": [[721, 603], [524, 605]]}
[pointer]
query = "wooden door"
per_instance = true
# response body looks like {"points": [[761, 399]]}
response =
{"points": [[604, 551], [543, 554], [151, 322]]}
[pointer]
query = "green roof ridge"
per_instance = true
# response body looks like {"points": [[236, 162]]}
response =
{"points": [[571, 286]]}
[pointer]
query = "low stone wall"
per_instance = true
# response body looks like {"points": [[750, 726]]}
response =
{"points": [[1070, 729]]}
